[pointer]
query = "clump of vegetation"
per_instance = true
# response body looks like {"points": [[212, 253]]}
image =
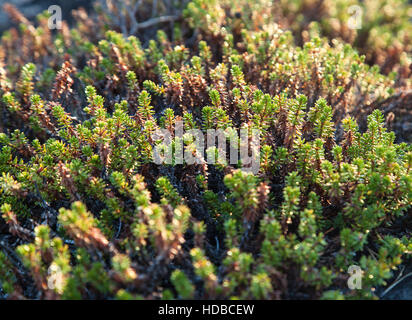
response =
{"points": [[380, 29], [87, 214]]}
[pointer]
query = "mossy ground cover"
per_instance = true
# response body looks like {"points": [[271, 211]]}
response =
{"points": [[87, 214]]}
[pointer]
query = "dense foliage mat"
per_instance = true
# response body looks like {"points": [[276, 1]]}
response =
{"points": [[87, 213]]}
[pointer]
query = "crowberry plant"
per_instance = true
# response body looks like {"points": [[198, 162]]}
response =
{"points": [[87, 214]]}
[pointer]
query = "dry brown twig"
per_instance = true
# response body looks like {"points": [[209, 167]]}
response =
{"points": [[124, 14]]}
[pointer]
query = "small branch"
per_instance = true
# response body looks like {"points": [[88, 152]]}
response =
{"points": [[154, 21], [137, 6], [118, 229], [132, 16], [154, 8], [13, 257], [395, 284]]}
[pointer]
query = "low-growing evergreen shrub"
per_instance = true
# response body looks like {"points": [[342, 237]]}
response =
{"points": [[87, 213]]}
